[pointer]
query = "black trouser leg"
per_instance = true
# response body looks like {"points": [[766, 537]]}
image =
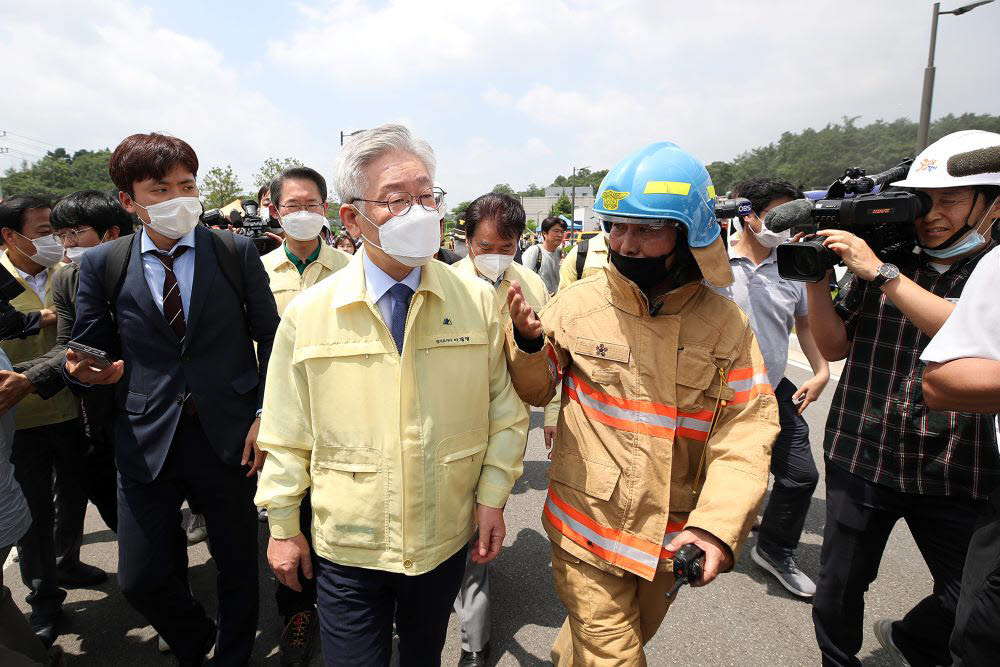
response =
{"points": [[224, 494], [152, 561], [292, 602], [18, 644], [33, 455], [69, 493], [942, 527], [357, 607], [975, 640], [795, 480], [101, 484], [858, 524], [423, 604]]}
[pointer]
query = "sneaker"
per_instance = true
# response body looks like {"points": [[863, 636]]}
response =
{"points": [[298, 638], [787, 573], [161, 645], [883, 633], [196, 530]]}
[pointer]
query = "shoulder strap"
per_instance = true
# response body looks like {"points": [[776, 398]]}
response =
{"points": [[115, 266], [581, 256], [229, 261], [538, 258]]}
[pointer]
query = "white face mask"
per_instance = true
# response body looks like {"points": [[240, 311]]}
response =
{"points": [[766, 237], [302, 225], [173, 218], [48, 250], [75, 253], [412, 239], [492, 266]]}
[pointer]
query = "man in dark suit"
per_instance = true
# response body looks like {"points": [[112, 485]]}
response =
{"points": [[189, 387]]}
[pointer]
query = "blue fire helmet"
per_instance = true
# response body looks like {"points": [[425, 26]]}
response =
{"points": [[660, 183]]}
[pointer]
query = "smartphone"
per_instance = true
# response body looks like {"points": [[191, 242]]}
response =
{"points": [[96, 358]]}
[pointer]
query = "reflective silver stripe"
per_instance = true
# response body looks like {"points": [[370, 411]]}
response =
{"points": [[694, 424], [609, 545], [746, 385], [620, 413]]}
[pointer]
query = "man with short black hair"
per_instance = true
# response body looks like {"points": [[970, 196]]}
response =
{"points": [[189, 384], [298, 202], [544, 258], [47, 438], [776, 307]]}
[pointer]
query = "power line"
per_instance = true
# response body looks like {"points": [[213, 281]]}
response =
{"points": [[37, 141]]}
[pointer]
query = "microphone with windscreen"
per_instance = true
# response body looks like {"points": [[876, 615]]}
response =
{"points": [[788, 215], [973, 163]]}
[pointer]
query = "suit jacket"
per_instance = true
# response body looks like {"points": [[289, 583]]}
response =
{"points": [[217, 362]]}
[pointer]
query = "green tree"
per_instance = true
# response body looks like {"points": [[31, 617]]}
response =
{"points": [[59, 173], [220, 186], [271, 168], [563, 206], [503, 189], [458, 211], [532, 191]]}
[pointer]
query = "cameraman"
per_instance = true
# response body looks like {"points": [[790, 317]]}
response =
{"points": [[963, 373], [888, 455]]}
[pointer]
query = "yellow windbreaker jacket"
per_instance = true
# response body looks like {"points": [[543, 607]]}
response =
{"points": [[285, 280], [396, 450], [667, 420]]}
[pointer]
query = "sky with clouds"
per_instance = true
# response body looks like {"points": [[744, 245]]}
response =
{"points": [[513, 91]]}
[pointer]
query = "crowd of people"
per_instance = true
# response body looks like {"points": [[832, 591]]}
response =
{"points": [[367, 395]]}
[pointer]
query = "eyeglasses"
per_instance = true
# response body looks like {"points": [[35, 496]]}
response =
{"points": [[295, 208], [399, 203], [71, 233]]}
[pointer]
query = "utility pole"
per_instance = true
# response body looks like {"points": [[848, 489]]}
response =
{"points": [[572, 206], [923, 129], [349, 134]]}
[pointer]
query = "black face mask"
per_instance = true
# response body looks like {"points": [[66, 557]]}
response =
{"points": [[645, 272]]}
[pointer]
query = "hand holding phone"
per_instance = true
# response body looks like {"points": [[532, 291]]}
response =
{"points": [[97, 359]]}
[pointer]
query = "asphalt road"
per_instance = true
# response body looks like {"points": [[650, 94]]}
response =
{"points": [[744, 618]]}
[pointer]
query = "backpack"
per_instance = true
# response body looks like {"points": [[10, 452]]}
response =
{"points": [[120, 251], [581, 256], [538, 260]]}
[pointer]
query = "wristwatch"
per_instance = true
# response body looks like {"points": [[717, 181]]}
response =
{"points": [[884, 274]]}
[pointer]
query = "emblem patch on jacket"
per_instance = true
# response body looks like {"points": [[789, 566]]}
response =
{"points": [[603, 350]]}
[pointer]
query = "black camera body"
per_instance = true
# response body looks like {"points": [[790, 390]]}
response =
{"points": [[884, 221], [249, 224]]}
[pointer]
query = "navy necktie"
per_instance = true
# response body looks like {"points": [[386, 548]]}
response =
{"points": [[400, 295]]}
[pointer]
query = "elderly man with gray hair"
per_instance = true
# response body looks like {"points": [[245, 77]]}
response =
{"points": [[425, 437]]}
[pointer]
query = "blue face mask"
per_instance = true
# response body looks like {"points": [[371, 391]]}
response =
{"points": [[972, 241]]}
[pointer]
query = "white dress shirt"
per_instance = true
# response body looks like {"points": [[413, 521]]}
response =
{"points": [[152, 269], [378, 283]]}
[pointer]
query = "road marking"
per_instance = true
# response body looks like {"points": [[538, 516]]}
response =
{"points": [[806, 367]]}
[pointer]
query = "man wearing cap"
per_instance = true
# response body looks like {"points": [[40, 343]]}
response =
{"points": [[667, 418], [888, 455]]}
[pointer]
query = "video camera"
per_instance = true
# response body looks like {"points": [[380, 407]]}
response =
{"points": [[249, 224], [855, 203]]}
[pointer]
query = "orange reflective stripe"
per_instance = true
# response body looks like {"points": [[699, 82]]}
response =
{"points": [[554, 363], [748, 383]]}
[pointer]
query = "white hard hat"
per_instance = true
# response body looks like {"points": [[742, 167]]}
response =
{"points": [[930, 168]]}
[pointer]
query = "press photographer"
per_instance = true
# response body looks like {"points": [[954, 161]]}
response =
{"points": [[248, 221], [889, 457]]}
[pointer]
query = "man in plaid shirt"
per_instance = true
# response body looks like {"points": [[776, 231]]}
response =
{"points": [[888, 456]]}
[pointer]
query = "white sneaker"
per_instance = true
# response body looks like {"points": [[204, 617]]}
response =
{"points": [[196, 530], [787, 573], [883, 633], [162, 645]]}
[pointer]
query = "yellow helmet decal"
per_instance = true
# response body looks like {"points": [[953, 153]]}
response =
{"points": [[610, 199], [667, 188]]}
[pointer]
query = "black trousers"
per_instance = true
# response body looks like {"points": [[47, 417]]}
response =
{"points": [[100, 486], [860, 516], [292, 602], [795, 479], [976, 638], [357, 607], [37, 454], [152, 548]]}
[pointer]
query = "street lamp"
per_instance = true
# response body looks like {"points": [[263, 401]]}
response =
{"points": [[925, 100], [572, 213], [351, 134]]}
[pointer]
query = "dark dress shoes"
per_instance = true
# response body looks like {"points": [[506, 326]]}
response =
{"points": [[475, 658], [46, 628], [80, 575]]}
